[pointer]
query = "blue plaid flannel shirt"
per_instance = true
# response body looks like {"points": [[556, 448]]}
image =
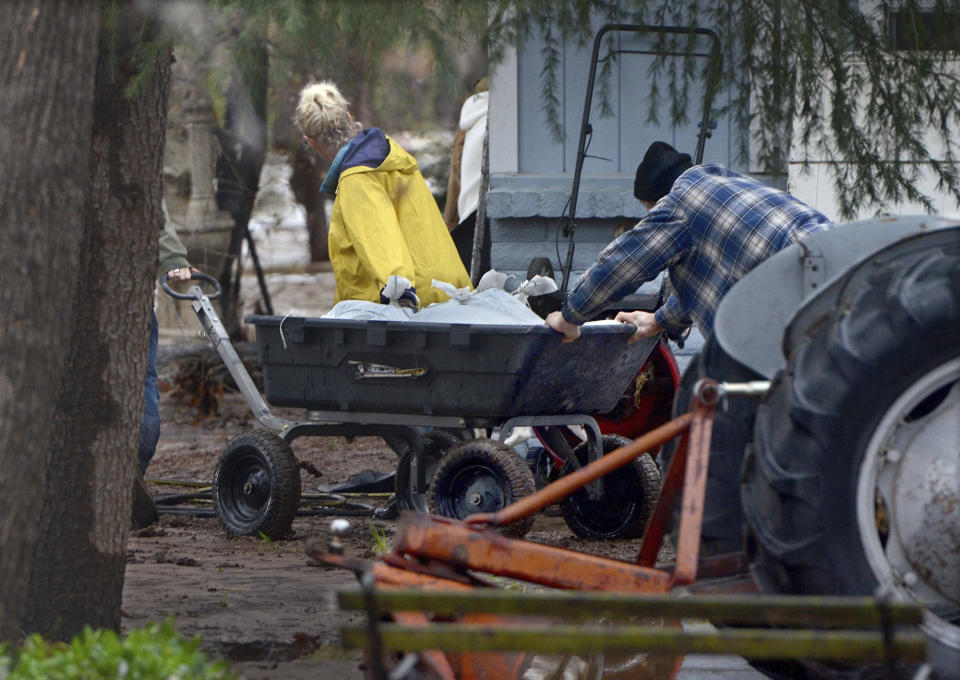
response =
{"points": [[713, 227]]}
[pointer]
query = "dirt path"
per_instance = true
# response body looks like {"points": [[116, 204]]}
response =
{"points": [[262, 605]]}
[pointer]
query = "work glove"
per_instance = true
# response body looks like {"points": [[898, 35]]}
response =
{"points": [[408, 298]]}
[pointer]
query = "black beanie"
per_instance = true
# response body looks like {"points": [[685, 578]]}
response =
{"points": [[658, 170]]}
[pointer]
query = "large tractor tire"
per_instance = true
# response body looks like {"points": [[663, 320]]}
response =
{"points": [[629, 495], [852, 484], [722, 529], [256, 486]]}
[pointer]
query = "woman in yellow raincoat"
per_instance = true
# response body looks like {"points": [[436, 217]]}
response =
{"points": [[385, 221]]}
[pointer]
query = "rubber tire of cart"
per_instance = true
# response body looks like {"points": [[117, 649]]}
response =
{"points": [[256, 486], [628, 498], [800, 474], [722, 528], [542, 305], [485, 467], [435, 444]]}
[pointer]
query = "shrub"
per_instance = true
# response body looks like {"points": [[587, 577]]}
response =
{"points": [[154, 652]]}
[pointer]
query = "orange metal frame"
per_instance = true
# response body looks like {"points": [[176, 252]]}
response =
{"points": [[437, 552], [474, 545]]}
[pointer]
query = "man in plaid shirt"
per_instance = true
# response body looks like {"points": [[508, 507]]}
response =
{"points": [[708, 225]]}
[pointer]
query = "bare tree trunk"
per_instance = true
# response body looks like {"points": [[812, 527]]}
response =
{"points": [[46, 114], [78, 564], [305, 182]]}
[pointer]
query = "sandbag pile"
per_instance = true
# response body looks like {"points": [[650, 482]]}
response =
{"points": [[498, 299]]}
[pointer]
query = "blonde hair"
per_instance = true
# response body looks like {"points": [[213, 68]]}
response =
{"points": [[322, 114]]}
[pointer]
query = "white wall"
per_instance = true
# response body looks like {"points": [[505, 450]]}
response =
{"points": [[812, 179]]}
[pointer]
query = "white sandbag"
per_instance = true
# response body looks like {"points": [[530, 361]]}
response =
{"points": [[538, 285], [396, 286], [491, 306], [369, 311], [459, 295], [488, 304]]}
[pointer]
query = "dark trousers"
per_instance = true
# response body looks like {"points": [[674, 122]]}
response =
{"points": [[150, 424], [463, 240]]}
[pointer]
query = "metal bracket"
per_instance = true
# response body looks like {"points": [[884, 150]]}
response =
{"points": [[594, 489], [814, 271]]}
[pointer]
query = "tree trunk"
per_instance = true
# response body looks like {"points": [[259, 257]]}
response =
{"points": [[46, 114], [305, 183], [78, 564]]}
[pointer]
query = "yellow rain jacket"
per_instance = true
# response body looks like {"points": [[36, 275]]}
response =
{"points": [[385, 221]]}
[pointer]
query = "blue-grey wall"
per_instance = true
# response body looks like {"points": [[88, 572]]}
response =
{"points": [[525, 205], [530, 185]]}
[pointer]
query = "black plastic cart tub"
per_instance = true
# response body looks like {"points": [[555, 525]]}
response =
{"points": [[444, 369]]}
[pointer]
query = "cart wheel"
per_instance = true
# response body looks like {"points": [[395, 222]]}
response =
{"points": [[256, 487], [629, 495], [481, 475], [435, 444]]}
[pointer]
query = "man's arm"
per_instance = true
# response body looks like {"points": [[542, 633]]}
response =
{"points": [[636, 256], [672, 318], [171, 254]]}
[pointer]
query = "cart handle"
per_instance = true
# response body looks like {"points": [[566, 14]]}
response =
{"points": [[195, 292]]}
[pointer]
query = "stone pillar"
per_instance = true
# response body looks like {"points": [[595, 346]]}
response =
{"points": [[205, 230]]}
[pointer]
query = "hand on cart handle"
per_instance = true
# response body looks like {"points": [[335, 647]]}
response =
{"points": [[571, 331], [188, 274], [646, 323]]}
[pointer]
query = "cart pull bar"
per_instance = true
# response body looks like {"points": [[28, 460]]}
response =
{"points": [[220, 339]]}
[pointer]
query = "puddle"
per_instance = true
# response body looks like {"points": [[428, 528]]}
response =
{"points": [[272, 650]]}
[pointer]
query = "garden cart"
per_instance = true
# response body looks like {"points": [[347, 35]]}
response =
{"points": [[432, 387]]}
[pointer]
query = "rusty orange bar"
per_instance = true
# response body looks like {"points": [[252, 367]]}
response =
{"points": [[670, 493], [694, 484], [489, 665], [577, 479], [684, 483], [483, 550], [435, 659], [384, 574]]}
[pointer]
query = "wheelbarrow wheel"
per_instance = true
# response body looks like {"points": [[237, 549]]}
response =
{"points": [[481, 475], [435, 445], [624, 506], [256, 486]]}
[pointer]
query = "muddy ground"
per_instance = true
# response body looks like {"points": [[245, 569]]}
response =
{"points": [[263, 605]]}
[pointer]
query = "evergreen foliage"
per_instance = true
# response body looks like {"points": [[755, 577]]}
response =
{"points": [[349, 42], [154, 652], [872, 85]]}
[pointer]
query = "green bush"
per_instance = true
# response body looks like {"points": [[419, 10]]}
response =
{"points": [[154, 652]]}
